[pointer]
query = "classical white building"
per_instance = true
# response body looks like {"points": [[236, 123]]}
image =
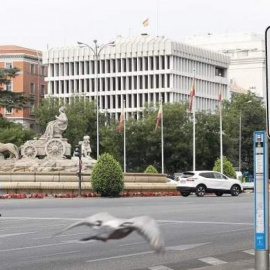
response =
{"points": [[138, 70], [247, 52]]}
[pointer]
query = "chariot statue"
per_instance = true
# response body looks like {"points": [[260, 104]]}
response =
{"points": [[51, 143]]}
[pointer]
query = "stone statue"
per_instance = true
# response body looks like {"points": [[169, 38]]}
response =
{"points": [[86, 148], [11, 148], [56, 127]]}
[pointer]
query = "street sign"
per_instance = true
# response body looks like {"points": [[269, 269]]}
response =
{"points": [[267, 57], [261, 199]]}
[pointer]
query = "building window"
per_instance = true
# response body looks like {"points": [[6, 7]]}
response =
{"points": [[42, 90], [8, 110], [9, 86], [32, 68], [32, 88], [43, 71], [220, 72], [9, 65]]}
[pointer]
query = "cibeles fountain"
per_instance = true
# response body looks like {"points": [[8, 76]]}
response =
{"points": [[46, 165], [49, 153]]}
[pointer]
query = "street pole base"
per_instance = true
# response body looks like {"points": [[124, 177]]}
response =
{"points": [[262, 259]]}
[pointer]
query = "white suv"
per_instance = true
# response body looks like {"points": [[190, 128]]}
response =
{"points": [[202, 182]]}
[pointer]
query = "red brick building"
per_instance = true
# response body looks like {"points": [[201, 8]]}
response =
{"points": [[30, 80]]}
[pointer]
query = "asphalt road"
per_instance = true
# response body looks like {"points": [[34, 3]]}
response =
{"points": [[197, 232]]}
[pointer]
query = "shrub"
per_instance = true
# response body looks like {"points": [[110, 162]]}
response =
{"points": [[107, 177], [151, 169], [227, 167]]}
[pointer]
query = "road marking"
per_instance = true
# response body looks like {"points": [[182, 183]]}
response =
{"points": [[203, 222], [14, 234], [121, 256], [212, 261], [78, 241], [54, 254], [250, 251], [131, 244], [38, 218], [31, 247], [185, 247], [172, 248], [160, 221], [159, 267], [229, 231], [62, 235]]}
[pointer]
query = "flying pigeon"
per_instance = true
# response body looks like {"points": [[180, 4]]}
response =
{"points": [[109, 227]]}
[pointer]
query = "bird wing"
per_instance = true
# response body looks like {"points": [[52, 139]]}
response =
{"points": [[91, 221], [149, 229]]}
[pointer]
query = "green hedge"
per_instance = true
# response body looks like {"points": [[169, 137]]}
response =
{"points": [[151, 169], [107, 177]]}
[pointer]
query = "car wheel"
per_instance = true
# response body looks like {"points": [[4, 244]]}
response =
{"points": [[200, 191], [219, 193], [235, 190], [185, 193]]}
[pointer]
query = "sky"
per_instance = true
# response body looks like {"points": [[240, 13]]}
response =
{"points": [[41, 24]]}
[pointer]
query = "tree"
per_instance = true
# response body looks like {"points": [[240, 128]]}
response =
{"points": [[253, 114], [143, 143], [227, 167], [16, 135], [10, 99]]}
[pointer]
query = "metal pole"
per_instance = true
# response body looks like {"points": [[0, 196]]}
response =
{"points": [[240, 140], [162, 140], [97, 96], [194, 124], [96, 52], [80, 171], [125, 161], [220, 124]]}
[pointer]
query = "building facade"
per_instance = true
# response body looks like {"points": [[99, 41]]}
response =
{"points": [[30, 81], [139, 70], [247, 52]]}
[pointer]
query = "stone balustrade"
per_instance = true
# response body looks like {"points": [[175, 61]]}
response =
{"points": [[68, 182]]}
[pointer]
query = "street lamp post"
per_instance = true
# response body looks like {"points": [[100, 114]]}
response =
{"points": [[96, 49], [240, 136]]}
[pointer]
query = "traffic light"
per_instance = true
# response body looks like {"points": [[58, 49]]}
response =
{"points": [[78, 151]]}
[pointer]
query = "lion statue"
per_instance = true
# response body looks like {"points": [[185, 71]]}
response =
{"points": [[11, 148]]}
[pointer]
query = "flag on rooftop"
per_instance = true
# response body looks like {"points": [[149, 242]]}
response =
{"points": [[191, 95], [146, 22]]}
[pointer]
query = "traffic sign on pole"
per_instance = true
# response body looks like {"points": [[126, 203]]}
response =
{"points": [[261, 201]]}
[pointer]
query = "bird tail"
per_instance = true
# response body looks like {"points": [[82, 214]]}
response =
{"points": [[158, 245], [79, 223]]}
